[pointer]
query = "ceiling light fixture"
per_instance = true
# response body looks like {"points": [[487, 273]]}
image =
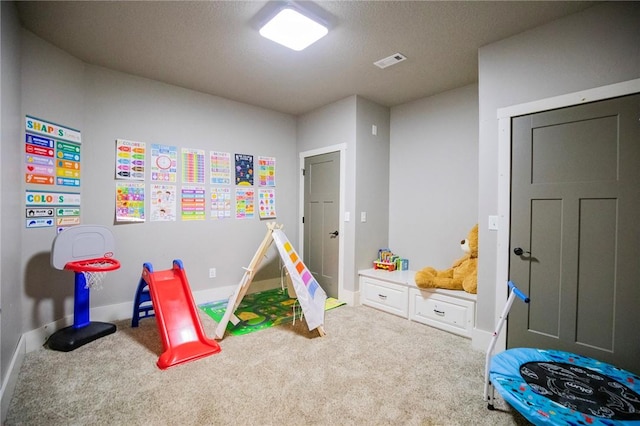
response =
{"points": [[292, 29]]}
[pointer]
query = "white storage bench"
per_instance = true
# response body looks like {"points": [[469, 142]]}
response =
{"points": [[396, 293]]}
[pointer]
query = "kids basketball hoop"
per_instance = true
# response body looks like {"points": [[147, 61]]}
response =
{"points": [[87, 250], [94, 270]]}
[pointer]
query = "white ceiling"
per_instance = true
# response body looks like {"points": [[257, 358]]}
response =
{"points": [[214, 47]]}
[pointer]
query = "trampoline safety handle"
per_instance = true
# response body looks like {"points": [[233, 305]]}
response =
{"points": [[517, 292]]}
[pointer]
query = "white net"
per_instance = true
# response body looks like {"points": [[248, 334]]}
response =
{"points": [[94, 279]]}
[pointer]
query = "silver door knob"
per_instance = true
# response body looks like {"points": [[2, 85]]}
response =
{"points": [[334, 233], [518, 251]]}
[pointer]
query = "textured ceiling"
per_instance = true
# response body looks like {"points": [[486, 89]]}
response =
{"points": [[214, 47]]}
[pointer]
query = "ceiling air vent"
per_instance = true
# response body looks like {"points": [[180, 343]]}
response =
{"points": [[390, 60]]}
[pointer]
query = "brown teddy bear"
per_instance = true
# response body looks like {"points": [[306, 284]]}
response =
{"points": [[463, 274]]}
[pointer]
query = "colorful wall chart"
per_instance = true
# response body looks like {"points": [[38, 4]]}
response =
{"points": [[193, 203], [220, 168], [67, 164], [245, 203], [164, 163], [220, 203], [46, 209], [267, 171], [130, 159], [129, 202], [39, 160], [192, 165], [267, 203], [244, 170], [163, 203]]}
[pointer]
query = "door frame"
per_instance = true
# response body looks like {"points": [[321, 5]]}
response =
{"points": [[341, 148], [504, 116]]}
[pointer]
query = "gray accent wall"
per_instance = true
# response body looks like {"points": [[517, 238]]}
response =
{"points": [[433, 182], [593, 48], [349, 122], [10, 196], [107, 105]]}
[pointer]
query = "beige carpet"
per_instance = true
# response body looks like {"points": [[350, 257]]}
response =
{"points": [[371, 368]]}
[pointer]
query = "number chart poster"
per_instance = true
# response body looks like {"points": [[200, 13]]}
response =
{"points": [[164, 163], [130, 159], [52, 153], [245, 203], [267, 203], [220, 203], [220, 168], [192, 165], [244, 170], [163, 203], [129, 202], [267, 171], [193, 203]]}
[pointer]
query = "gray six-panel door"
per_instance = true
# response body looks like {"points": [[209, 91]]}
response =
{"points": [[575, 208], [321, 213]]}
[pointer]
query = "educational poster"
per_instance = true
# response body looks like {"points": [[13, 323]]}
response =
{"points": [[193, 203], [67, 163], [244, 170], [129, 202], [193, 165], [163, 203], [130, 159], [220, 203], [164, 163], [52, 153], [46, 209], [267, 171], [245, 203], [267, 203], [220, 168], [39, 160]]}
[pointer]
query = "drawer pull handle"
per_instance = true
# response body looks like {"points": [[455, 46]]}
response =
{"points": [[382, 296], [441, 313]]}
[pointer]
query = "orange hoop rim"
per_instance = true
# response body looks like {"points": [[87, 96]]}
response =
{"points": [[100, 264]]}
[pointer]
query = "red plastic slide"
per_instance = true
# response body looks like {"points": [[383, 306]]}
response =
{"points": [[177, 316]]}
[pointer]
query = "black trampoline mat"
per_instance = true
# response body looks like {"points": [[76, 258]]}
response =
{"points": [[582, 389]]}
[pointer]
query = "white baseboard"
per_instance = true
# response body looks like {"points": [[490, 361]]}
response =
{"points": [[9, 383], [480, 339], [351, 298]]}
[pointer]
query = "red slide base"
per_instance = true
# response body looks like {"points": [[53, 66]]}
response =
{"points": [[177, 316]]}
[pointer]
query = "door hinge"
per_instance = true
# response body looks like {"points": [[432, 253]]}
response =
{"points": [[303, 172], [302, 219]]}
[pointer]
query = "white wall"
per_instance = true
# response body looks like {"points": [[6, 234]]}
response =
{"points": [[593, 48], [11, 214], [433, 201], [372, 182], [106, 105]]}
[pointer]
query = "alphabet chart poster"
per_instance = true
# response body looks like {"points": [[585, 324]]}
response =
{"points": [[267, 203], [244, 170], [245, 203], [192, 201], [220, 168], [164, 163], [267, 171], [130, 159], [163, 202], [129, 202], [192, 165], [220, 203]]}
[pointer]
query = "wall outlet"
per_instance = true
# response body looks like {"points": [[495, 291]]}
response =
{"points": [[493, 223], [212, 272]]}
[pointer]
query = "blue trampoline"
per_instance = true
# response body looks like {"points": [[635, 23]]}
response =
{"points": [[556, 387]]}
